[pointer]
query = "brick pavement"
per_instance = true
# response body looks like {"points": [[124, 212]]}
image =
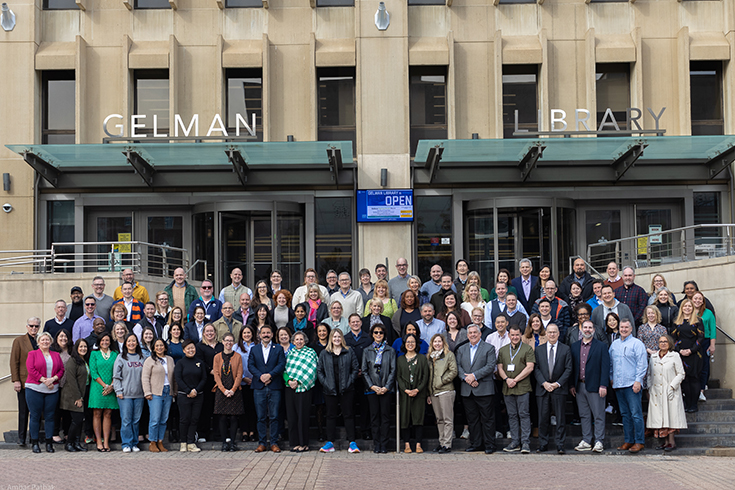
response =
{"points": [[22, 470]]}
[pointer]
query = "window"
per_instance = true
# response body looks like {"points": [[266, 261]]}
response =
{"points": [[427, 2], [60, 5], [333, 234], [243, 3], [433, 233], [502, 2], [151, 101], [152, 4], [705, 79], [428, 103], [613, 92], [335, 3], [336, 92], [245, 97], [520, 84], [60, 229], [707, 212], [59, 102]]}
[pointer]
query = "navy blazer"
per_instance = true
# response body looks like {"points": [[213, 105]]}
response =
{"points": [[597, 370], [275, 366], [191, 333], [517, 283]]}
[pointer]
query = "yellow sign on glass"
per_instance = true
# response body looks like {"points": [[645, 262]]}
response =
{"points": [[642, 245], [124, 248]]}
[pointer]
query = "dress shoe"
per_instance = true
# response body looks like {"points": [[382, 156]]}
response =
{"points": [[662, 446], [78, 446], [636, 448], [260, 448], [233, 447], [225, 447], [35, 447], [560, 450], [437, 449], [542, 449], [383, 450], [669, 448], [275, 448], [245, 438], [625, 446], [445, 450], [70, 447], [50, 447], [471, 449]]}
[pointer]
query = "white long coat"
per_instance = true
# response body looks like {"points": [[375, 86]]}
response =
{"points": [[664, 375]]}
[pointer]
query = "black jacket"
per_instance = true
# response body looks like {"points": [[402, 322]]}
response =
{"points": [[348, 369], [190, 373], [566, 283]]}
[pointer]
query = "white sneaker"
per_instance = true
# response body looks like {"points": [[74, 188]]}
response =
{"points": [[136, 449], [553, 420], [508, 435], [126, 449], [465, 434], [201, 439], [598, 447], [702, 398], [609, 409], [498, 435], [583, 446]]}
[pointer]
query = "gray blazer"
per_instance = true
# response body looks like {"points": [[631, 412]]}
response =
{"points": [[483, 368], [598, 317]]}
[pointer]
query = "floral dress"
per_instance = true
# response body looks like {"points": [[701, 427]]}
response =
{"points": [[649, 336]]}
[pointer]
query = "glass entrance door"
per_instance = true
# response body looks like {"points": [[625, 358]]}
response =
{"points": [[255, 241], [109, 226], [521, 233]]}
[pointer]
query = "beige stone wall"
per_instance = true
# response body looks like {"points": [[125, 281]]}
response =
{"points": [[715, 279]]}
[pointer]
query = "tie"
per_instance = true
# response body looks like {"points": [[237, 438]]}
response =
{"points": [[551, 360]]}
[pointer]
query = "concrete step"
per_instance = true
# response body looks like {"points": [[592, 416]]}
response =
{"points": [[718, 394], [712, 416]]}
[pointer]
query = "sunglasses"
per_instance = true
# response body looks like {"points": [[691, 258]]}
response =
{"points": [[206, 287], [90, 304], [377, 332]]}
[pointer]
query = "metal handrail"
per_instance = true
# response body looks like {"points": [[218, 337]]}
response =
{"points": [[136, 242], [590, 267], [719, 329], [663, 232], [5, 378]]}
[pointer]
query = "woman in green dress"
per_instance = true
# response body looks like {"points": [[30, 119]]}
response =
{"points": [[412, 374], [102, 398]]}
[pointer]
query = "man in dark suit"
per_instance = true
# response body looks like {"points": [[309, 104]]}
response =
{"points": [[553, 370], [590, 377], [525, 284], [267, 362], [476, 367]]}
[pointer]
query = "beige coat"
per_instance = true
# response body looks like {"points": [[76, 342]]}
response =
{"points": [[664, 375], [154, 375]]}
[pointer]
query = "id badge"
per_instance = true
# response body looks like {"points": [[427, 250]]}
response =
{"points": [[511, 368]]}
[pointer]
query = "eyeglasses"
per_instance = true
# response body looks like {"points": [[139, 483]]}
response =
{"points": [[583, 314], [206, 287], [35, 326], [90, 304], [378, 332]]}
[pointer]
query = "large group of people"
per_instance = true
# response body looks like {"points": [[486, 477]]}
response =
{"points": [[247, 364]]}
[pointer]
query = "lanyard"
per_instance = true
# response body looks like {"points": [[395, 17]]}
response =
{"points": [[513, 356]]}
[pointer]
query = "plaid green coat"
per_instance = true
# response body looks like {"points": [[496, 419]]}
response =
{"points": [[301, 366]]}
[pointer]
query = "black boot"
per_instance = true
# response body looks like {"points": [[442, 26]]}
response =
{"points": [[70, 447], [50, 446], [225, 446], [233, 447], [35, 447], [79, 447]]}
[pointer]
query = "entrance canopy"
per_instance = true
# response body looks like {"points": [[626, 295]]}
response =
{"points": [[600, 160], [204, 164]]}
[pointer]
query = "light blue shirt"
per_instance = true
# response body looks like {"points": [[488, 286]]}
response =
{"points": [[82, 327], [473, 351], [428, 330], [628, 362]]}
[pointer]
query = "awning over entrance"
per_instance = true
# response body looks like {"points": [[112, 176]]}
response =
{"points": [[204, 164], [574, 160]]}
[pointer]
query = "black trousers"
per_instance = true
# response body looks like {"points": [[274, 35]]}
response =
{"points": [[546, 403], [333, 404], [22, 415], [362, 407], [298, 408], [418, 431], [189, 411], [249, 419], [501, 414], [75, 428], [481, 419], [207, 412], [690, 389], [380, 418], [226, 432]]}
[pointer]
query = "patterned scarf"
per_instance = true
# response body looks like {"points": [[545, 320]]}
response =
{"points": [[313, 307], [379, 349]]}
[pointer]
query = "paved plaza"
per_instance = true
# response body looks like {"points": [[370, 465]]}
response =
{"points": [[22, 470]]}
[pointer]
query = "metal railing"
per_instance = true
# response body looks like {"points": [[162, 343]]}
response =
{"points": [[142, 257], [684, 244]]}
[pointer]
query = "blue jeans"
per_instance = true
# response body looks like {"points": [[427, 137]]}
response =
{"points": [[41, 404], [130, 410], [159, 407], [267, 405], [632, 412]]}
